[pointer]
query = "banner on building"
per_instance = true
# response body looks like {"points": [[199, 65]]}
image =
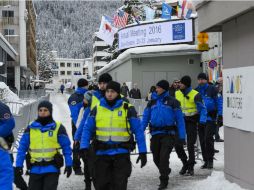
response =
{"points": [[168, 32], [238, 100]]}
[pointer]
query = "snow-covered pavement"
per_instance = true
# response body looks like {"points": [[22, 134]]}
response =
{"points": [[147, 178]]}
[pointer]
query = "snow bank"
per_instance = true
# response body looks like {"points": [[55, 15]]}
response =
{"points": [[6, 94], [215, 181]]}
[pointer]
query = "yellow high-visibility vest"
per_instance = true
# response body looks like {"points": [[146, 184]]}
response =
{"points": [[43, 146], [188, 106], [95, 101], [112, 125]]}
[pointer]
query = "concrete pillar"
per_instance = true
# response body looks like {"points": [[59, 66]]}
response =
{"points": [[17, 77]]}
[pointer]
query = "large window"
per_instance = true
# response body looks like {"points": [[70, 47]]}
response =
{"points": [[55, 73], [76, 64], [68, 64], [62, 72], [62, 64], [9, 32], [6, 13], [68, 72]]}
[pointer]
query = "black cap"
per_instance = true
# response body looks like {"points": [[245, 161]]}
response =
{"points": [[105, 78], [202, 76], [114, 86], [186, 80], [163, 84], [46, 104], [82, 82]]}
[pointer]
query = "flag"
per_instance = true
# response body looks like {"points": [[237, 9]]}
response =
{"points": [[185, 9], [166, 11], [150, 13], [180, 8], [107, 31], [120, 19], [188, 10]]}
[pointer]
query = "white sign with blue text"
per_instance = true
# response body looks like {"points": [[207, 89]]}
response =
{"points": [[171, 32]]}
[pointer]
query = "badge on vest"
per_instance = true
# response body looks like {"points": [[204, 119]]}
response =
{"points": [[50, 133], [120, 113]]}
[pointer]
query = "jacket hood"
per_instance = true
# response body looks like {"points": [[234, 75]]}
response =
{"points": [[37, 125], [81, 90]]}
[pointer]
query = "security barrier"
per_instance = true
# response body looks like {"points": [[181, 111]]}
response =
{"points": [[31, 94]]}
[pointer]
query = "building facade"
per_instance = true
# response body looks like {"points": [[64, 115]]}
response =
{"points": [[235, 21], [17, 24]]}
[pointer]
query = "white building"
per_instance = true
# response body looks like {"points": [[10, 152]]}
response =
{"points": [[67, 70], [98, 53]]}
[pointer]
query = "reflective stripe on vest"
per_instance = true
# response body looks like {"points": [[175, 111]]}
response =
{"points": [[188, 106], [111, 125], [43, 146], [95, 101]]}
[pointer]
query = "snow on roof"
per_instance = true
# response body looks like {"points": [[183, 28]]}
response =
{"points": [[6, 94], [147, 50]]}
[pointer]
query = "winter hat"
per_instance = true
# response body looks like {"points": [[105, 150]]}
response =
{"points": [[114, 86], [82, 83], [105, 78], [163, 84], [202, 76], [186, 80], [46, 104]]}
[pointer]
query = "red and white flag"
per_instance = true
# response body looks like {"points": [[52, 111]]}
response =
{"points": [[120, 19]]}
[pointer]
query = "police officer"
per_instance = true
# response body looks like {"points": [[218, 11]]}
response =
{"points": [[165, 118], [76, 103], [210, 95], [113, 121], [194, 112], [7, 124], [43, 139]]}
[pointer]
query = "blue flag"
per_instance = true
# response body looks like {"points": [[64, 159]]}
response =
{"points": [[166, 11]]}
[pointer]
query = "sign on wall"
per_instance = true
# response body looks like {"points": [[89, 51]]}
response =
{"points": [[170, 32], [238, 99]]}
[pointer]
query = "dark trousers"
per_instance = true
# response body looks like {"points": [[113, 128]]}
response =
{"points": [[206, 140], [43, 181], [112, 172], [216, 132], [76, 156], [161, 147]]}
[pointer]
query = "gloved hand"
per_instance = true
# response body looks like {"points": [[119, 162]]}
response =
{"points": [[18, 171], [143, 158], [84, 153], [68, 171], [220, 121]]}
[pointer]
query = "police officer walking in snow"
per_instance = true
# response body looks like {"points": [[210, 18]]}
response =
{"points": [[76, 103], [7, 124], [165, 119], [114, 122], [194, 112], [43, 140], [210, 96]]}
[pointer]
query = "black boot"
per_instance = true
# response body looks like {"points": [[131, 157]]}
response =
{"points": [[204, 166], [163, 184], [190, 170], [88, 186], [184, 168], [210, 165]]}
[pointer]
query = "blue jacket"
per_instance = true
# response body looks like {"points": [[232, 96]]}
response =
{"points": [[220, 104], [135, 128], [164, 111], [75, 103], [210, 96], [200, 105], [7, 124], [78, 133], [62, 138]]}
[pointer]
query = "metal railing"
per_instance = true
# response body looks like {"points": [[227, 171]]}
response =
{"points": [[31, 94]]}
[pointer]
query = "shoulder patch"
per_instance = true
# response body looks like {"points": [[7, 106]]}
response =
{"points": [[7, 116], [73, 103]]}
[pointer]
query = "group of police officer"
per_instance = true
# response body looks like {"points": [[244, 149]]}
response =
{"points": [[106, 128]]}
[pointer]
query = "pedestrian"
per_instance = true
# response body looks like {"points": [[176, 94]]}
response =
{"points": [[76, 103], [210, 96], [151, 93], [114, 122], [43, 139], [174, 87], [135, 92], [62, 88], [91, 99], [194, 112], [219, 86], [29, 86], [125, 90], [164, 116], [7, 124]]}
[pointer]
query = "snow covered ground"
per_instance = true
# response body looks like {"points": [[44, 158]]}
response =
{"points": [[147, 177]]}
